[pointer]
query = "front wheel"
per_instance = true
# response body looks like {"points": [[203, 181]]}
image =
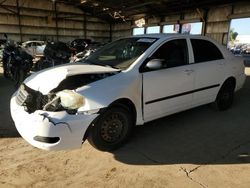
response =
{"points": [[111, 129], [225, 96]]}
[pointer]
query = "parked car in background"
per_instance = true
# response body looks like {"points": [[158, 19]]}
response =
{"points": [[34, 47], [125, 83], [240, 49], [245, 49]]}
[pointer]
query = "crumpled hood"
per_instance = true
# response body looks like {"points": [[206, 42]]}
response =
{"points": [[48, 79]]}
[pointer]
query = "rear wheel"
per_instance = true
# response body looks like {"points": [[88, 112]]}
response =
{"points": [[111, 129], [225, 96]]}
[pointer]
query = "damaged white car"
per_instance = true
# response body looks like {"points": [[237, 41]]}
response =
{"points": [[126, 83]]}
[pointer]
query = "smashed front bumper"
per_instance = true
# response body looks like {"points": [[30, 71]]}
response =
{"points": [[50, 130]]}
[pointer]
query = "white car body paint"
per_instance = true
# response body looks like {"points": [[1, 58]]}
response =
{"points": [[57, 74], [70, 128], [139, 88]]}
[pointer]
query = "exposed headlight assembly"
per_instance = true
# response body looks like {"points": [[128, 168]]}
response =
{"points": [[65, 100], [70, 99]]}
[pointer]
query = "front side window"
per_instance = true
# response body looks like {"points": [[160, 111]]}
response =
{"points": [[173, 53], [205, 51], [121, 53]]}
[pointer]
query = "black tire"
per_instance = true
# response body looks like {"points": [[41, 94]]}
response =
{"points": [[225, 97], [6, 71], [111, 129], [5, 74], [19, 77]]}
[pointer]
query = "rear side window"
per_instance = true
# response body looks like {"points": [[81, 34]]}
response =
{"points": [[205, 51]]}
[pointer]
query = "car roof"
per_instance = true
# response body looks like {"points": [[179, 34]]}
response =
{"points": [[174, 35], [165, 36]]}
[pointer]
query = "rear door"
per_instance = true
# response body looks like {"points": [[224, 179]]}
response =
{"points": [[166, 90], [209, 68]]}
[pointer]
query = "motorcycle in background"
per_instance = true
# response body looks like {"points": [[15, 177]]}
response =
{"points": [[17, 63]]}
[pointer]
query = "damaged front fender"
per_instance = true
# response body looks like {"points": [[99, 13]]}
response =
{"points": [[60, 98]]}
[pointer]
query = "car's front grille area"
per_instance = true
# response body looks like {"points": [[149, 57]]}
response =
{"points": [[21, 96], [32, 100]]}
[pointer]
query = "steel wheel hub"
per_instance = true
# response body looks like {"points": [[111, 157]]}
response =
{"points": [[112, 127]]}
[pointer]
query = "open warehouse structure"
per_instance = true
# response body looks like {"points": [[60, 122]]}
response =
{"points": [[106, 20], [125, 93]]}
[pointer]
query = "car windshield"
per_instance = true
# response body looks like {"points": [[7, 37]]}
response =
{"points": [[121, 53]]}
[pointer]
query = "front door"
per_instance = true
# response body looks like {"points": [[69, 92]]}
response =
{"points": [[168, 89]]}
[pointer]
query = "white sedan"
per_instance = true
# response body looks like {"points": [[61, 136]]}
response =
{"points": [[34, 47], [126, 83]]}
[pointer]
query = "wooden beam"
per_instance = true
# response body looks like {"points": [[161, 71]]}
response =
{"points": [[204, 28], [110, 32], [85, 25], [56, 19], [8, 9], [19, 20]]}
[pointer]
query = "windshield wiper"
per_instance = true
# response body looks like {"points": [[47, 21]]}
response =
{"points": [[112, 66], [100, 64]]}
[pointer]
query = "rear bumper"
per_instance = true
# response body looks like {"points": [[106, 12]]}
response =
{"points": [[50, 130]]}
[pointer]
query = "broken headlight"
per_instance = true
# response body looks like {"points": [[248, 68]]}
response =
{"points": [[65, 100], [33, 100], [70, 99]]}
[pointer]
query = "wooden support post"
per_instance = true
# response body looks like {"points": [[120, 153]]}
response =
{"points": [[110, 32], [56, 17], [19, 20], [85, 25], [180, 22], [204, 29]]}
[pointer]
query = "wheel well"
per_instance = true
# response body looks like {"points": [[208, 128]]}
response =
{"points": [[230, 80], [125, 103]]}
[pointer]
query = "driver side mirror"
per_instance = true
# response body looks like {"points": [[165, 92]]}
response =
{"points": [[154, 64]]}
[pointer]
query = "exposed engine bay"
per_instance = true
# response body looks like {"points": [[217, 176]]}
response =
{"points": [[60, 98]]}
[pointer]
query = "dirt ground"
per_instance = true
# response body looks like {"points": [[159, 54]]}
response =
{"points": [[197, 148]]}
